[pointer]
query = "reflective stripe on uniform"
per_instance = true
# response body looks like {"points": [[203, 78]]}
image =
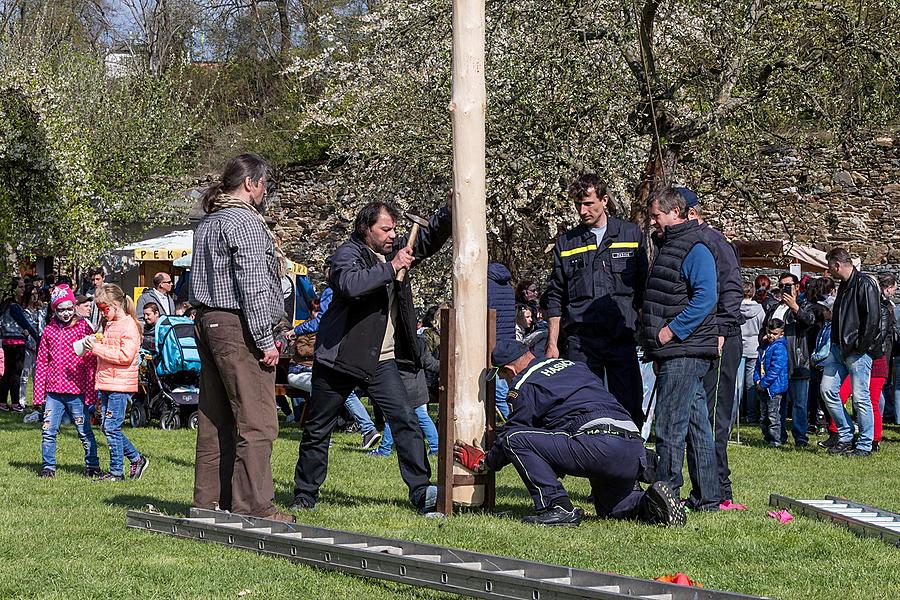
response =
{"points": [[580, 250], [532, 370], [624, 245]]}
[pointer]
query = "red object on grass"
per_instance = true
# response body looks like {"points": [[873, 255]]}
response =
{"points": [[679, 579]]}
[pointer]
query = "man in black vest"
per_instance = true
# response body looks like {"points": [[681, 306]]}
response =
{"points": [[367, 336], [681, 336], [719, 382], [594, 293]]}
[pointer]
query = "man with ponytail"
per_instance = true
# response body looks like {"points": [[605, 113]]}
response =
{"points": [[235, 285]]}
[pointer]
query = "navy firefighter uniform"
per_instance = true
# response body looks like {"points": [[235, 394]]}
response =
{"points": [[596, 287], [563, 422]]}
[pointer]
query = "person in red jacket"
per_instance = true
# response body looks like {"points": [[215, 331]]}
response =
{"points": [[64, 382]]}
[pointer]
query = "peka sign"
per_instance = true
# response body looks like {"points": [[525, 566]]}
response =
{"points": [[163, 254]]}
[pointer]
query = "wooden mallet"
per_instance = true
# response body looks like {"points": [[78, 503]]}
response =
{"points": [[418, 222]]}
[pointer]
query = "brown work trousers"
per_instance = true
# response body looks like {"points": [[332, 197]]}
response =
{"points": [[238, 419]]}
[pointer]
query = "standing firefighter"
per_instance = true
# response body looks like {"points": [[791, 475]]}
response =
{"points": [[594, 293], [564, 422]]}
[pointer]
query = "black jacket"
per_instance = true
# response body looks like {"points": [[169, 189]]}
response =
{"points": [[502, 298], [728, 278], [886, 330], [352, 330], [856, 318], [796, 332], [602, 288]]}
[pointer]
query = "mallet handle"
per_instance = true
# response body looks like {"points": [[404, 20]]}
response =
{"points": [[413, 234]]}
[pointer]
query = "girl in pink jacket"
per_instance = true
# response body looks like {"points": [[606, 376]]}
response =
{"points": [[117, 376], [64, 381]]}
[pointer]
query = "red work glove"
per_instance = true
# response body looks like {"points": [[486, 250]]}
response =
{"points": [[469, 456]]}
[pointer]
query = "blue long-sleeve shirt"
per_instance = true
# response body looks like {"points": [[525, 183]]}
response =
{"points": [[312, 325], [699, 270]]}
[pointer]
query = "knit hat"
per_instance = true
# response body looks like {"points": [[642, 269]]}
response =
{"points": [[62, 293]]}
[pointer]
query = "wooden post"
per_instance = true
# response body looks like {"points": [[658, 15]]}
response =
{"points": [[467, 108], [448, 481]]}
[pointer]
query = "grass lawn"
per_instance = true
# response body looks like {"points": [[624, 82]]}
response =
{"points": [[66, 537]]}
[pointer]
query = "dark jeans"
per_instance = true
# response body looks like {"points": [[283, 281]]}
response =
{"points": [[238, 419], [798, 393], [14, 362], [771, 409], [681, 406], [616, 364], [814, 397], [718, 384], [386, 389], [610, 462]]}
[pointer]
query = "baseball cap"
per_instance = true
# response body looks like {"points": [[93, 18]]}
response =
{"points": [[690, 198], [505, 352]]}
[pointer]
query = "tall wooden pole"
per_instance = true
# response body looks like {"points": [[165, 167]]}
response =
{"points": [[467, 108]]}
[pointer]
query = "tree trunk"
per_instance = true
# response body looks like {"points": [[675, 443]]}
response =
{"points": [[467, 108], [284, 27], [658, 173]]}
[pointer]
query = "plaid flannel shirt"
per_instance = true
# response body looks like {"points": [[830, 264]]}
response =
{"points": [[234, 267]]}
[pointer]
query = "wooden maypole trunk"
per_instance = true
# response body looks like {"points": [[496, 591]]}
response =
{"points": [[467, 108]]}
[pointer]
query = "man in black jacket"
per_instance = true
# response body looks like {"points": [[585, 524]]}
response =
{"points": [[855, 323], [798, 317], [719, 381], [365, 339]]}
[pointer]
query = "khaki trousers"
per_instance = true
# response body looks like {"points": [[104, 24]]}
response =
{"points": [[238, 420]]}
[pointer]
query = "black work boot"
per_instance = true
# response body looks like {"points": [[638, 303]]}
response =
{"points": [[660, 506], [841, 448], [556, 516], [831, 441]]}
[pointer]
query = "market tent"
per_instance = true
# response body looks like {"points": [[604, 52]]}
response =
{"points": [[165, 248], [779, 254]]}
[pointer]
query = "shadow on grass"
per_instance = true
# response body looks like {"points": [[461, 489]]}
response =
{"points": [[140, 502], [35, 467]]}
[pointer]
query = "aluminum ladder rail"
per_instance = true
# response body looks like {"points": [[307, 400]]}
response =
{"points": [[861, 519], [437, 567]]}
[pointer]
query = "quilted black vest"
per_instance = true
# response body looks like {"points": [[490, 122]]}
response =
{"points": [[667, 295]]}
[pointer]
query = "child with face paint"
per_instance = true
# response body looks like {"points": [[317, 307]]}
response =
{"points": [[117, 376], [64, 382]]}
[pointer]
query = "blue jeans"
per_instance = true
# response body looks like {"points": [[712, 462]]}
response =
{"points": [[798, 393], [56, 405], [681, 405], [771, 417], [428, 430], [834, 369], [355, 407], [502, 389], [114, 406]]}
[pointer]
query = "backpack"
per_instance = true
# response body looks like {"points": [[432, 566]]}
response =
{"points": [[823, 344], [176, 345]]}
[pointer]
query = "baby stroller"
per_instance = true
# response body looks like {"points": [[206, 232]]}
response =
{"points": [[170, 377]]}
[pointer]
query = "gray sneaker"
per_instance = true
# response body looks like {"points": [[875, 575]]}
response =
{"points": [[370, 439]]}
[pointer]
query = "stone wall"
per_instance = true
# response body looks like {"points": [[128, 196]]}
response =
{"points": [[822, 197], [815, 195]]}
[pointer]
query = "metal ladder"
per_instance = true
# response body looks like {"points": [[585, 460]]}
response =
{"points": [[861, 519], [446, 569]]}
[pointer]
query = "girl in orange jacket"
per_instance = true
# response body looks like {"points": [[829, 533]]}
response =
{"points": [[117, 376]]}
